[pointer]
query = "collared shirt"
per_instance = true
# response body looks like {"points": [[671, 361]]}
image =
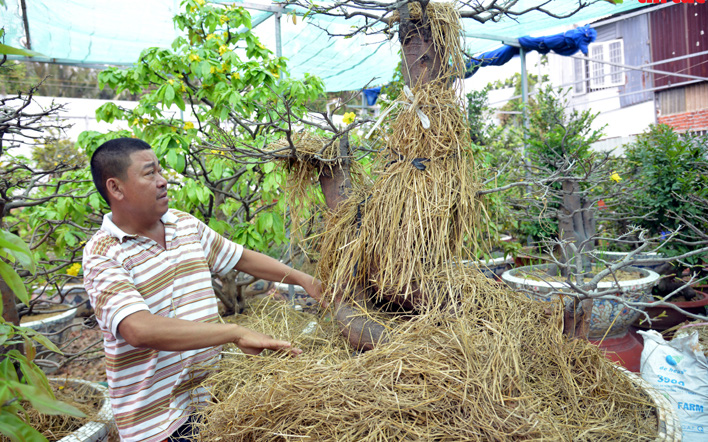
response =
{"points": [[153, 392]]}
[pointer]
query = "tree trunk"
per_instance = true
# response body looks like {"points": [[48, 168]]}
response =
{"points": [[422, 62], [576, 220]]}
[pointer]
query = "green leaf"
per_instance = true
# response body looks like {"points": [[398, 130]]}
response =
{"points": [[47, 405], [5, 332], [9, 50], [44, 341], [18, 430], [169, 93], [18, 249], [13, 280]]}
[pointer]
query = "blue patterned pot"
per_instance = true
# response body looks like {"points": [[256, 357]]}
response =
{"points": [[609, 318]]}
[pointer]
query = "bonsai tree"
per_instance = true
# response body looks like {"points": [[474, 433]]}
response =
{"points": [[20, 378], [571, 187]]}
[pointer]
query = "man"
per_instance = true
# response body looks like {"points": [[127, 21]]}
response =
{"points": [[148, 275]]}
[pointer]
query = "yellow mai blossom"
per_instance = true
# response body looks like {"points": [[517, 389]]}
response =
{"points": [[188, 125], [223, 49], [73, 270], [349, 118], [212, 70], [194, 57], [614, 176], [145, 121], [136, 121], [226, 34], [171, 81], [223, 19], [235, 75], [210, 36], [200, 2], [260, 45], [183, 88]]}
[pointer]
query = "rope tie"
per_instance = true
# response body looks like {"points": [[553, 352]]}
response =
{"points": [[410, 101]]}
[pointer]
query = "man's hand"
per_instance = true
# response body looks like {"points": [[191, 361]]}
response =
{"points": [[313, 287], [253, 343]]}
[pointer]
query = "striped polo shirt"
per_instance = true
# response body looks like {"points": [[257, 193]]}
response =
{"points": [[153, 392]]}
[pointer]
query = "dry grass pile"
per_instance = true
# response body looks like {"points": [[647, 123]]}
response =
{"points": [[696, 327], [497, 368]]}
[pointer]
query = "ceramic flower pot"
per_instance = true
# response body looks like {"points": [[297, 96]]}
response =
{"points": [[652, 258], [663, 318], [609, 318], [494, 267]]}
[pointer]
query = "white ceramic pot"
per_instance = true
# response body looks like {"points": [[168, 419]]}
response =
{"points": [[97, 430], [651, 258], [609, 318], [492, 268]]}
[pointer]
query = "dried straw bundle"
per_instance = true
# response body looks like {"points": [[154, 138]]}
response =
{"points": [[312, 153], [420, 213], [498, 368]]}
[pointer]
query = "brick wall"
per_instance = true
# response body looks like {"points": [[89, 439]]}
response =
{"points": [[694, 121]]}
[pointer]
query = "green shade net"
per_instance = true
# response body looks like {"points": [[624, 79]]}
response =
{"points": [[101, 32]]}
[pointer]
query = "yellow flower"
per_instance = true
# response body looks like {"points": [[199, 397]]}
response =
{"points": [[193, 9], [210, 36], [235, 75], [261, 46], [349, 118], [200, 2], [223, 49], [194, 57], [212, 70], [226, 34], [183, 88], [145, 121], [223, 19], [614, 176], [171, 81], [188, 125], [136, 121], [73, 270]]}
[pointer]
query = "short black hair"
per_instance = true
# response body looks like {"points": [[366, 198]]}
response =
{"points": [[112, 159]]}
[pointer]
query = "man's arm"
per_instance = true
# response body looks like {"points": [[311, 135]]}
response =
{"points": [[264, 267], [143, 329]]}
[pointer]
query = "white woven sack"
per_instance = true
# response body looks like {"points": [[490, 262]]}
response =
{"points": [[679, 370]]}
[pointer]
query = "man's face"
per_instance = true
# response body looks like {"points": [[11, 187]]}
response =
{"points": [[144, 188]]}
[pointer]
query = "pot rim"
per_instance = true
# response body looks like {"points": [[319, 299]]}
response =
{"points": [[650, 278], [69, 314]]}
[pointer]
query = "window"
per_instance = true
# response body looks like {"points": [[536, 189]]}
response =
{"points": [[592, 74]]}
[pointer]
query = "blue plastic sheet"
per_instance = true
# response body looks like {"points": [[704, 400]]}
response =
{"points": [[567, 43]]}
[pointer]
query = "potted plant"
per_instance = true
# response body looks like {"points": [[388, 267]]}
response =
{"points": [[569, 188], [669, 174]]}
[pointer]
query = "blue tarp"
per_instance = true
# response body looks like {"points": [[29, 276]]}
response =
{"points": [[567, 43]]}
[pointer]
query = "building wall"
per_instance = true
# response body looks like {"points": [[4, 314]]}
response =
{"points": [[696, 121]]}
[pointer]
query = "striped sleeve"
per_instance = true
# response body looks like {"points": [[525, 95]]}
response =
{"points": [[221, 254], [111, 291]]}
